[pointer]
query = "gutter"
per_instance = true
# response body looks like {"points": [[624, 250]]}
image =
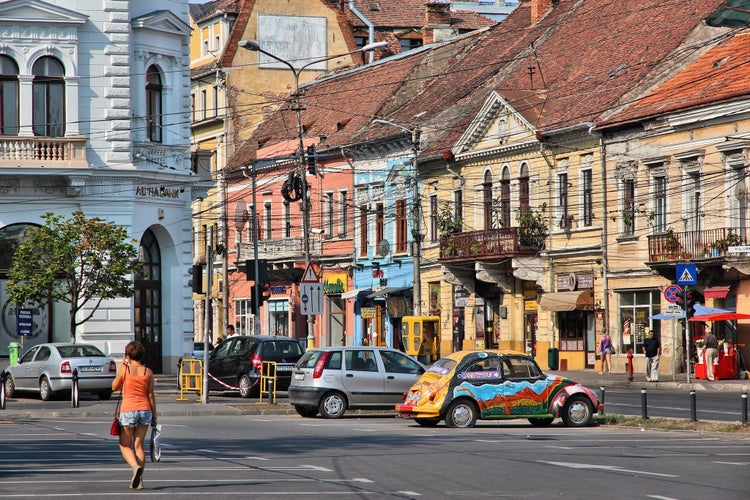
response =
{"points": [[370, 26]]}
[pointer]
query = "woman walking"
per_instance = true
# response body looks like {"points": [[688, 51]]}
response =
{"points": [[137, 410], [605, 348]]}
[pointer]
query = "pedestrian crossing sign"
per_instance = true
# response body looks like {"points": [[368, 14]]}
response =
{"points": [[687, 274]]}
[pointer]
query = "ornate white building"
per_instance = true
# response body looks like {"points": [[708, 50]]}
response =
{"points": [[95, 116]]}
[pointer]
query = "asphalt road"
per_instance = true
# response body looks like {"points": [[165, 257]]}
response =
{"points": [[372, 457], [718, 406]]}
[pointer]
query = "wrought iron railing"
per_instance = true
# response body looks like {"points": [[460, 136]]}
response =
{"points": [[489, 243], [710, 243]]}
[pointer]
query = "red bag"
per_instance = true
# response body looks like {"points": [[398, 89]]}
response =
{"points": [[115, 429]]}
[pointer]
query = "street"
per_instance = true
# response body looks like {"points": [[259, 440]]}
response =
{"points": [[371, 457]]}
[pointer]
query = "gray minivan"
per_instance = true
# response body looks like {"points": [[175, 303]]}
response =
{"points": [[331, 379]]}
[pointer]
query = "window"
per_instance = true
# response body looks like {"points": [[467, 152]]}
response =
{"points": [[660, 204], [49, 97], [523, 188], [401, 226], [192, 106], [215, 96], [694, 190], [587, 194], [278, 317], [243, 317], [562, 200], [268, 220], [379, 223], [433, 217], [636, 308], [628, 207], [153, 104], [458, 206], [330, 216], [343, 214], [487, 200], [204, 105], [360, 360], [363, 229], [505, 199], [9, 102]]}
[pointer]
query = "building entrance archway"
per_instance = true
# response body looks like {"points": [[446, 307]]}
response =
{"points": [[148, 303]]}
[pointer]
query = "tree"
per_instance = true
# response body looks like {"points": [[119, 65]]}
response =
{"points": [[75, 260]]}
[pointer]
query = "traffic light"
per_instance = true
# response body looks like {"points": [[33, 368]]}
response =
{"points": [[694, 297], [262, 270], [312, 160], [265, 294], [681, 298], [196, 278]]}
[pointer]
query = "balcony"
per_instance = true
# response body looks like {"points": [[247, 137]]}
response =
{"points": [[708, 244], [282, 249], [64, 152], [489, 244]]}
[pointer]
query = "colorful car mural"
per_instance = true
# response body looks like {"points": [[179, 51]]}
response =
{"points": [[469, 385]]}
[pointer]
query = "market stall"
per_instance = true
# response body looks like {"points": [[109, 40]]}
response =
{"points": [[725, 365]]}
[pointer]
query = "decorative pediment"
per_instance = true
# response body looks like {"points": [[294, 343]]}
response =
{"points": [[497, 124], [162, 21], [38, 12]]}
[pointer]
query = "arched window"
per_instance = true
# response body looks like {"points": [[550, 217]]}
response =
{"points": [[49, 97], [505, 198], [153, 104], [487, 199], [523, 188], [8, 96]]}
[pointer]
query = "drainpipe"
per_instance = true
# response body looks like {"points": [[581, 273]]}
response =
{"points": [[550, 262], [370, 26], [605, 259]]}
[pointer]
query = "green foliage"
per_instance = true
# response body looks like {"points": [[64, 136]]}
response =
{"points": [[74, 260], [532, 228], [447, 223]]}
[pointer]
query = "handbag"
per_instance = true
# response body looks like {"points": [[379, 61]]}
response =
{"points": [[114, 429]]}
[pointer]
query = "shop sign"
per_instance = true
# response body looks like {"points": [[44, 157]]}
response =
{"points": [[585, 281], [160, 192], [529, 290], [566, 282], [367, 312], [460, 296], [335, 283], [530, 305]]}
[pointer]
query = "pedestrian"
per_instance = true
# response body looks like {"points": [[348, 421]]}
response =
{"points": [[230, 331], [709, 340], [605, 349], [652, 350], [137, 409]]}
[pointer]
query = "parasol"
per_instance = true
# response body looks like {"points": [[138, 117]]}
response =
{"points": [[725, 316]]}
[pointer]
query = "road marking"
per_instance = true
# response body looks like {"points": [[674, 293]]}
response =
{"points": [[256, 458], [612, 468], [408, 493], [659, 497], [299, 467], [206, 451], [733, 463], [364, 430], [353, 480]]}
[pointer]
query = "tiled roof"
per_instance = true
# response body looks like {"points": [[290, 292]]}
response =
{"points": [[720, 74], [199, 12], [467, 20], [389, 13]]}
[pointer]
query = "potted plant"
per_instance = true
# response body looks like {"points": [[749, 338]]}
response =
{"points": [[532, 229]]}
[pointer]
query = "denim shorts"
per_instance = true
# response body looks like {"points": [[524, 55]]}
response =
{"points": [[135, 418]]}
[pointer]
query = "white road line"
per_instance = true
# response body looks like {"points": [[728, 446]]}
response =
{"points": [[212, 493], [254, 458], [299, 467], [659, 497], [408, 493], [611, 468], [733, 463]]}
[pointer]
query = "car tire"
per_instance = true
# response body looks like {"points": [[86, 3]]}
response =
{"points": [[462, 414], [306, 411], [246, 386], [427, 422], [45, 391], [105, 394], [541, 421], [10, 386], [332, 405], [578, 412]]}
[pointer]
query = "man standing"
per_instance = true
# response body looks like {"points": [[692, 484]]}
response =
{"points": [[230, 331], [652, 349], [709, 340]]}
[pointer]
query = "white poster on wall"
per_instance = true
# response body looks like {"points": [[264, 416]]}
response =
{"points": [[295, 39]]}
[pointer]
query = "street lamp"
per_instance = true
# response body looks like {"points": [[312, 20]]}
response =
{"points": [[416, 133], [255, 47]]}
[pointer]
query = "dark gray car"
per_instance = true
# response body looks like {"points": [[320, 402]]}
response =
{"points": [[330, 380]]}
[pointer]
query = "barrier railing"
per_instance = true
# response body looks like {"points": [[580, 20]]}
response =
{"points": [[268, 380], [191, 378]]}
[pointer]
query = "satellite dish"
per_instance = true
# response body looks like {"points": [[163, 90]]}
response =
{"points": [[384, 248]]}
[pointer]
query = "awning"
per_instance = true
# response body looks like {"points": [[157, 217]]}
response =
{"points": [[389, 291], [716, 292], [567, 301], [353, 293]]}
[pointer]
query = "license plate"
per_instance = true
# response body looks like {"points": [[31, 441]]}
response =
{"points": [[299, 376], [90, 368], [283, 368]]}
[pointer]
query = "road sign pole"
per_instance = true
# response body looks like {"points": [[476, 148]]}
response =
{"points": [[687, 337]]}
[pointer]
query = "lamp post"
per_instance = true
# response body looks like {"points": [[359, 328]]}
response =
{"points": [[255, 47], [416, 133]]}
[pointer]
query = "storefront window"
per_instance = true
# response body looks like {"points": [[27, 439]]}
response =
{"points": [[243, 317], [278, 317], [636, 308]]}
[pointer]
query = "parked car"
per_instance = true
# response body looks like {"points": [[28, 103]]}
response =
{"points": [[469, 385], [198, 349], [330, 380], [236, 363], [48, 369]]}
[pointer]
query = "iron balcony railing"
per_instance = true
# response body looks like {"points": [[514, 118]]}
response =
{"points": [[490, 243], [706, 244]]}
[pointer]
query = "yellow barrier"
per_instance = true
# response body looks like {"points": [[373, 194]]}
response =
{"points": [[191, 378], [268, 377]]}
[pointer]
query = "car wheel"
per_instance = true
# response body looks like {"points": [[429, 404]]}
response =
{"points": [[246, 386], [105, 394], [45, 392], [306, 411], [427, 422], [10, 387], [461, 413], [541, 421], [578, 412], [332, 405]]}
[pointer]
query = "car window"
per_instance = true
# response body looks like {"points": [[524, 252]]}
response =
{"points": [[442, 366], [482, 369], [223, 349], [79, 351], [361, 360], [289, 348], [29, 354], [241, 346], [395, 362], [270, 351], [520, 368], [44, 353], [334, 361], [309, 359]]}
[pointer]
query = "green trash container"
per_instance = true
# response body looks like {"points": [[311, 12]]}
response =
{"points": [[553, 355], [14, 348]]}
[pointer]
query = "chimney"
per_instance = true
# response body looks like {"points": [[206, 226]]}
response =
{"points": [[437, 22], [539, 9]]}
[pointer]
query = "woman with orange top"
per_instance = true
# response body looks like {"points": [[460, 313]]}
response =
{"points": [[137, 409]]}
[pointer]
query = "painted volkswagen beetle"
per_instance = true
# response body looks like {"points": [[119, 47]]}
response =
{"points": [[469, 385]]}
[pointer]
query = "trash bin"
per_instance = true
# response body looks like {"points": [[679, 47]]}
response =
{"points": [[553, 355], [14, 348]]}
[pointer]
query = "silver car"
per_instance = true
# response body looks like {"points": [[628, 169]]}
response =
{"points": [[48, 368], [330, 380]]}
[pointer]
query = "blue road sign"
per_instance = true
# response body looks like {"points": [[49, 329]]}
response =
{"points": [[24, 322], [672, 293], [687, 274]]}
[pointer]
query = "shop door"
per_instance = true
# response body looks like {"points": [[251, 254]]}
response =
{"points": [[380, 322], [458, 329], [336, 322], [530, 326], [148, 301]]}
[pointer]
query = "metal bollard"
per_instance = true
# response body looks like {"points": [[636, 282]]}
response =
{"points": [[693, 416], [644, 404], [271, 394], [744, 408], [2, 390], [603, 389], [74, 390]]}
